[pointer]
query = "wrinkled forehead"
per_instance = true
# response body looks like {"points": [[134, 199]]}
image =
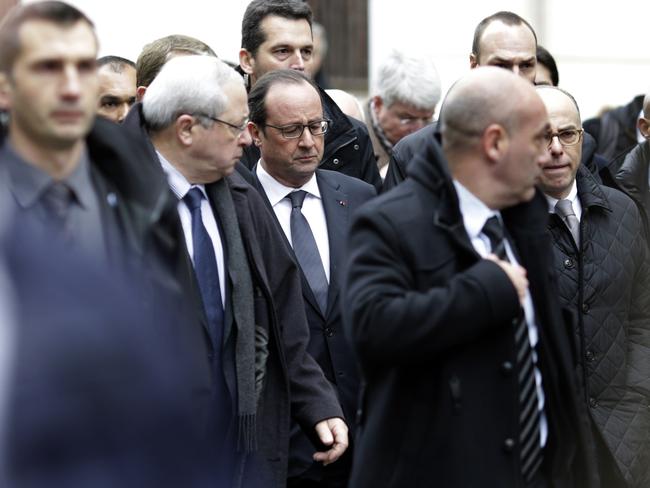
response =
{"points": [[507, 42], [41, 39], [286, 31]]}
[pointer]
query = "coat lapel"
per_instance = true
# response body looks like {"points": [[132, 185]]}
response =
{"points": [[336, 207]]}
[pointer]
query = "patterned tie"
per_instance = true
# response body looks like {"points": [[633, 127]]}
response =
{"points": [[565, 210], [205, 268], [304, 245], [530, 451]]}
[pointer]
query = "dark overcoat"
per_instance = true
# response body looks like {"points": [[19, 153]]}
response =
{"points": [[432, 324]]}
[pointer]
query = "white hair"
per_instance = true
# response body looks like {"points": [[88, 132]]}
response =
{"points": [[410, 80], [188, 85]]}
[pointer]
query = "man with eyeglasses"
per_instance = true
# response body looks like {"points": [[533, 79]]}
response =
{"points": [[601, 259], [504, 40], [277, 34], [245, 286], [312, 207], [408, 90]]}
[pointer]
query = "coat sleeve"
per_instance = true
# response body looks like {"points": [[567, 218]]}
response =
{"points": [[639, 325], [391, 321]]}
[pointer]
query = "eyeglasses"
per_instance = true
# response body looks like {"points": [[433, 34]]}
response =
{"points": [[294, 131], [238, 129], [415, 120], [568, 137]]}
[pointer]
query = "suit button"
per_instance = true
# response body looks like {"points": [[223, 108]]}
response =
{"points": [[340, 373], [585, 308], [506, 368], [508, 445], [335, 161], [329, 332], [593, 403], [569, 264], [356, 147], [590, 355]]}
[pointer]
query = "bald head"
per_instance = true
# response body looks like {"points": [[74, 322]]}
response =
{"points": [[485, 96], [493, 127]]}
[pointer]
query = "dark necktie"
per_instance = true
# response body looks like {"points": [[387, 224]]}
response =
{"points": [[57, 200], [564, 209], [205, 268], [530, 451], [306, 250]]}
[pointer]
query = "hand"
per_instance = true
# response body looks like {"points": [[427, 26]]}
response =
{"points": [[516, 273], [332, 432]]}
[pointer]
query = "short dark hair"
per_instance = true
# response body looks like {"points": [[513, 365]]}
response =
{"points": [[508, 18], [155, 54], [545, 58], [257, 95], [59, 13], [251, 31], [116, 63]]}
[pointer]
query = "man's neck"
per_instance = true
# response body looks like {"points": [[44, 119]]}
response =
{"points": [[56, 162]]}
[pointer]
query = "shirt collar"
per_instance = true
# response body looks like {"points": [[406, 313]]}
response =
{"points": [[29, 182], [572, 196], [276, 191], [177, 182], [475, 213]]}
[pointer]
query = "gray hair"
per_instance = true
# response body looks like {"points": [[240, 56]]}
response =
{"points": [[410, 80], [188, 85]]}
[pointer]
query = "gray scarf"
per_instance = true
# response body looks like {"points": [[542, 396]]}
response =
{"points": [[243, 307]]}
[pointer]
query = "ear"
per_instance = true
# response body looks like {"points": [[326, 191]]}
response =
{"points": [[256, 133], [5, 92], [246, 61], [644, 127], [184, 129], [473, 61], [378, 103], [495, 142], [139, 93]]}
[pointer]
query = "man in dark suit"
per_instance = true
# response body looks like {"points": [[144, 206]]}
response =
{"points": [[313, 208], [468, 364], [277, 34], [243, 282]]}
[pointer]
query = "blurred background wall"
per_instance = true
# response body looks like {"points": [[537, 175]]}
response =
{"points": [[601, 47]]}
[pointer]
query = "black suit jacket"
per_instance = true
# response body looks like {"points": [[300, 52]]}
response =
{"points": [[432, 324], [341, 196]]}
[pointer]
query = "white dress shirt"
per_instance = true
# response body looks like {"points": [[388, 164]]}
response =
{"points": [[312, 209], [475, 214], [180, 186], [572, 196]]}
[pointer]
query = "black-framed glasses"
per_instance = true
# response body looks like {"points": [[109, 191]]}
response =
{"points": [[568, 137], [238, 128], [294, 131]]}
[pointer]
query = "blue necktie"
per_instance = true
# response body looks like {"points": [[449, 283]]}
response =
{"points": [[306, 250], [205, 268], [530, 451]]}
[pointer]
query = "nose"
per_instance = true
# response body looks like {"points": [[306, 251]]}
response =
{"points": [[122, 111], [306, 138], [298, 62], [71, 88], [245, 138], [556, 147]]}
